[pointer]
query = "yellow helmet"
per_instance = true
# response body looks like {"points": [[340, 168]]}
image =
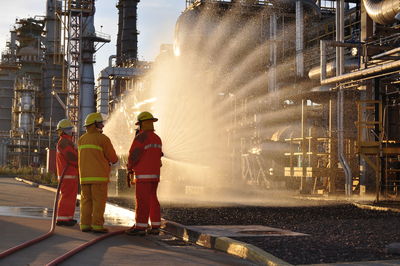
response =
{"points": [[93, 118], [145, 116], [64, 124]]}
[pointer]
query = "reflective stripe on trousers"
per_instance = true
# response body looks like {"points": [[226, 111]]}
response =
{"points": [[140, 225], [64, 218]]}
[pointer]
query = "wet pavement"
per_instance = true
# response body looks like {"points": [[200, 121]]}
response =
{"points": [[243, 230], [25, 214]]}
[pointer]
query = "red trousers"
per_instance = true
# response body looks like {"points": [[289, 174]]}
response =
{"points": [[147, 205], [66, 203]]}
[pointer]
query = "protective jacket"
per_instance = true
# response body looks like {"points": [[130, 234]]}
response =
{"points": [[65, 151], [145, 157], [96, 153], [67, 163]]}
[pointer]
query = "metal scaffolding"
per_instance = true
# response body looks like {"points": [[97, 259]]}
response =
{"points": [[71, 15]]}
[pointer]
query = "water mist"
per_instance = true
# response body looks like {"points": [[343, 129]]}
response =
{"points": [[211, 99]]}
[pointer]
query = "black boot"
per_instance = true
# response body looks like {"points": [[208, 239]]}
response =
{"points": [[135, 232], [71, 222]]}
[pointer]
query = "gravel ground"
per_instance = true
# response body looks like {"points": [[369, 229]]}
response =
{"points": [[336, 233]]}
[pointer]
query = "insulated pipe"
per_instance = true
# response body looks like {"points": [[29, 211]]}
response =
{"points": [[363, 73], [82, 247], [329, 69], [382, 11], [110, 58], [49, 233]]}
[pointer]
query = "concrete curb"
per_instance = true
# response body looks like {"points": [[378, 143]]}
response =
{"points": [[33, 184], [224, 244], [375, 208]]}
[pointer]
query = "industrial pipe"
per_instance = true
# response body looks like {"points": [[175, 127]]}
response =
{"points": [[330, 68], [87, 72], [49, 233], [82, 247], [390, 52], [363, 73], [340, 96], [340, 130], [382, 11], [299, 38]]}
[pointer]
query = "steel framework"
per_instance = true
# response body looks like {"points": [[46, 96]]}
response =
{"points": [[71, 15]]}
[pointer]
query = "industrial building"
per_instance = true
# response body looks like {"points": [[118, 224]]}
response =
{"points": [[330, 67], [335, 65]]}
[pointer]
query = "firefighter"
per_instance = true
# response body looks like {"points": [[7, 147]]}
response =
{"points": [[67, 166], [96, 154], [144, 162]]}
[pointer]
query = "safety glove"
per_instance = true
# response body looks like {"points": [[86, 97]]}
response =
{"points": [[129, 177]]}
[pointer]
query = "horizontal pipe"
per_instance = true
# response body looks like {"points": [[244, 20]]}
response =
{"points": [[362, 73], [330, 68], [396, 50], [382, 11]]}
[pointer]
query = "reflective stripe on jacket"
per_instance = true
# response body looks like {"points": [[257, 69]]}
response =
{"points": [[66, 154], [95, 155], [145, 157]]}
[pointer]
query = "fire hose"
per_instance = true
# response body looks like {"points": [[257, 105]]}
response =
{"points": [[81, 247], [49, 233]]}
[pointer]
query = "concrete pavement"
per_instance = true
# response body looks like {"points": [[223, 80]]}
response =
{"points": [[16, 228]]}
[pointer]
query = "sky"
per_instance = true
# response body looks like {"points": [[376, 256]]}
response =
{"points": [[156, 22]]}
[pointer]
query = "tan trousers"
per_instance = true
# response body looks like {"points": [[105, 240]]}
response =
{"points": [[93, 205]]}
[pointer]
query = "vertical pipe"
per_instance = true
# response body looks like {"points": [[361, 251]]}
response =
{"points": [[341, 35], [87, 73], [299, 38], [303, 182], [337, 27], [340, 96], [272, 53], [323, 59]]}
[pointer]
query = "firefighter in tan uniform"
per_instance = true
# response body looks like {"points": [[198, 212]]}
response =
{"points": [[96, 154]]}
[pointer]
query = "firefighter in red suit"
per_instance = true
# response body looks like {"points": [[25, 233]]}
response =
{"points": [[67, 166], [144, 162]]}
